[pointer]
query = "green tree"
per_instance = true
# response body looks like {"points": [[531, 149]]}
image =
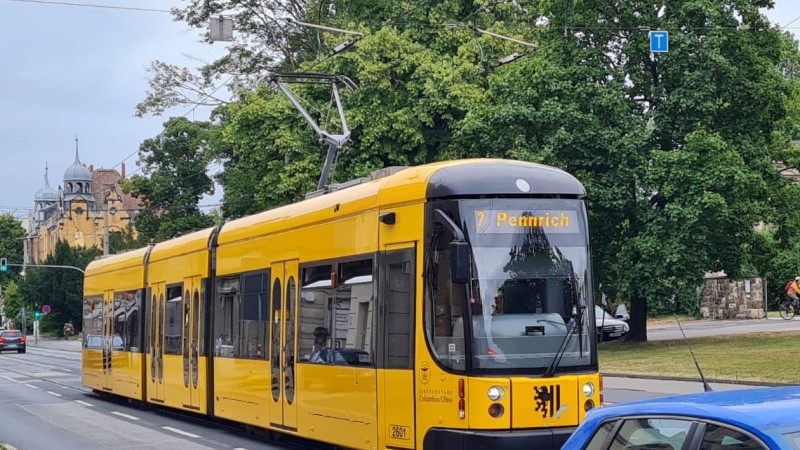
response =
{"points": [[266, 40], [13, 303], [127, 239], [62, 289], [711, 111], [11, 245], [174, 165], [676, 150]]}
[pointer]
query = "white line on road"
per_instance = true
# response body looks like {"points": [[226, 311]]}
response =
{"points": [[81, 402], [11, 379], [31, 386], [54, 393], [127, 416], [185, 433]]}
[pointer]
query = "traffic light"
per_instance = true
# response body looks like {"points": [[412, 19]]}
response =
{"points": [[37, 314], [3, 265]]}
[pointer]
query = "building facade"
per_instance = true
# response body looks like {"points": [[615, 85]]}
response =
{"points": [[86, 208]]}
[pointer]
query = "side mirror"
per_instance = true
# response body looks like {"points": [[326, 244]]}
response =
{"points": [[459, 262]]}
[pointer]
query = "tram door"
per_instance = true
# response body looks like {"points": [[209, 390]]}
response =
{"points": [[155, 345], [108, 337], [283, 306], [190, 342]]}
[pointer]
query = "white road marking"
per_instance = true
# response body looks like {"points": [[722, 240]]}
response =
{"points": [[127, 416], [81, 402], [54, 393], [185, 433], [11, 379], [31, 386]]}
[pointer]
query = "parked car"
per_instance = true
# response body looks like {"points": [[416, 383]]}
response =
{"points": [[608, 328], [12, 340], [749, 419]]}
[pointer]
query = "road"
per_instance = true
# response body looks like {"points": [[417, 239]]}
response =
{"points": [[704, 328], [43, 403]]}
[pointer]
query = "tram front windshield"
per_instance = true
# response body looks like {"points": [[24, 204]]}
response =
{"points": [[529, 285]]}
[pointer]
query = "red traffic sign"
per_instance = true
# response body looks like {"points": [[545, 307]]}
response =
{"points": [[46, 309]]}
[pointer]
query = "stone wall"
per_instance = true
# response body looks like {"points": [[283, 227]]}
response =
{"points": [[733, 299]]}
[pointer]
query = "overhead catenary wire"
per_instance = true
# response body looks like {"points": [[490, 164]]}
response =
{"points": [[91, 5]]}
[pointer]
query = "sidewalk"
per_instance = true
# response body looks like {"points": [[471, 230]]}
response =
{"points": [[73, 345]]}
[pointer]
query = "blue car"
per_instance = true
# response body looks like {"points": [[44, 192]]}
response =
{"points": [[749, 419]]}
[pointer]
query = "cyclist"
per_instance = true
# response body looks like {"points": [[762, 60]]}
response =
{"points": [[794, 292]]}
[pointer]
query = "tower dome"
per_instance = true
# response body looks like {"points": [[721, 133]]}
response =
{"points": [[77, 171], [45, 194]]}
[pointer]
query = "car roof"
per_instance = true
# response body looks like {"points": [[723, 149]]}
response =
{"points": [[752, 409]]}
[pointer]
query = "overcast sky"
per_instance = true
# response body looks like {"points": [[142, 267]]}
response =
{"points": [[71, 70]]}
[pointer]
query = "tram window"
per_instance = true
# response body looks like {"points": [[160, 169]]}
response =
{"points": [[93, 316], [316, 295], [126, 318], [173, 321], [352, 314], [398, 295], [227, 318], [444, 323], [253, 323]]}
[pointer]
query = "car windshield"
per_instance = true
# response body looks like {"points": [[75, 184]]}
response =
{"points": [[601, 315], [10, 334]]}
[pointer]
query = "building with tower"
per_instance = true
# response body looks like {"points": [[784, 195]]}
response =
{"points": [[87, 207]]}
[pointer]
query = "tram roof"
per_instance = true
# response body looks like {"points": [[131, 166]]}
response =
{"points": [[413, 184], [116, 262], [182, 245]]}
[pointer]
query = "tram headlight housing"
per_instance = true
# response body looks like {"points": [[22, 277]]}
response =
{"points": [[588, 389], [495, 393]]}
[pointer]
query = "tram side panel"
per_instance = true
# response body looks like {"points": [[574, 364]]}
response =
{"points": [[176, 363], [112, 359], [334, 401]]}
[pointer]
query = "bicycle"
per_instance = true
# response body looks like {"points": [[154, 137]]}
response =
{"points": [[788, 309]]}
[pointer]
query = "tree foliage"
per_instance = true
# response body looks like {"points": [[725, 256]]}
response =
{"points": [[174, 166], [11, 245], [677, 150], [62, 289]]}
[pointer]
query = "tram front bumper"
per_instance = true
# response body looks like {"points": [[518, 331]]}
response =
{"points": [[542, 438]]}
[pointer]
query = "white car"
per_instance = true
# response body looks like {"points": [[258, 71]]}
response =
{"points": [[608, 328]]}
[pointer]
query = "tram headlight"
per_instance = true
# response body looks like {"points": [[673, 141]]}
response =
{"points": [[495, 393], [588, 389]]}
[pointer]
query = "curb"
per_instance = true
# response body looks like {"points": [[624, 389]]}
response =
{"points": [[696, 379]]}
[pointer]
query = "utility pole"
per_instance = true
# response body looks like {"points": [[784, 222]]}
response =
{"points": [[105, 228]]}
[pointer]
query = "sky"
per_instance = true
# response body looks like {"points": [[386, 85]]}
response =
{"points": [[76, 70], [80, 70]]}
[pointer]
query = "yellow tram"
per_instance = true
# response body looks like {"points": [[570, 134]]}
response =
{"points": [[439, 306]]}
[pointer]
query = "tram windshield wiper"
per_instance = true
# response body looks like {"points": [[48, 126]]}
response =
{"points": [[576, 324]]}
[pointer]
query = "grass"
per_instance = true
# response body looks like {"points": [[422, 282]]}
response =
{"points": [[669, 319], [754, 357]]}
